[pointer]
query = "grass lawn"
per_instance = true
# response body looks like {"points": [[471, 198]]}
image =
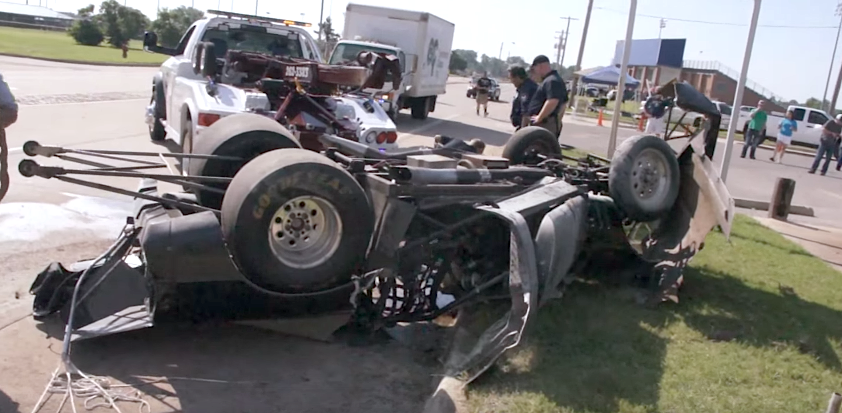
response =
{"points": [[59, 45], [758, 329]]}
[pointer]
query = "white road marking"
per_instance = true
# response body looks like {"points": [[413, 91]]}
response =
{"points": [[832, 194], [81, 103]]}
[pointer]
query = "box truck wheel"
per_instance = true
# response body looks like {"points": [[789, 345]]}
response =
{"points": [[420, 108]]}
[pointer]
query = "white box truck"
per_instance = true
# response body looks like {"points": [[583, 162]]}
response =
{"points": [[421, 41]]}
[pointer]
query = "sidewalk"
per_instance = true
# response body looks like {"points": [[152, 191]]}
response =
{"points": [[825, 243]]}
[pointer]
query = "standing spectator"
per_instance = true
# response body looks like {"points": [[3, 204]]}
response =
{"points": [[655, 108], [550, 98], [786, 127], [483, 86], [757, 124], [526, 88], [8, 106], [828, 145], [8, 116]]}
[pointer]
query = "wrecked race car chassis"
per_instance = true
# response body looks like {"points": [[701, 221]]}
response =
{"points": [[422, 232]]}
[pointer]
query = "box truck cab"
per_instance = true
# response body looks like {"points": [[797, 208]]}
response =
{"points": [[421, 41], [348, 50]]}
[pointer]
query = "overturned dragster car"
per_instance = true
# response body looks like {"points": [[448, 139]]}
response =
{"points": [[382, 235]]}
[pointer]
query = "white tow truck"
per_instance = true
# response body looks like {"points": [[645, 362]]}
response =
{"points": [[421, 41], [184, 102]]}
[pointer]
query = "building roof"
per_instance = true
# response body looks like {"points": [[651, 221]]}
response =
{"points": [[31, 10]]}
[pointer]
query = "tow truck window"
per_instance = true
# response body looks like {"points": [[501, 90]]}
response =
{"points": [[816, 118], [798, 115], [253, 40], [182, 44]]}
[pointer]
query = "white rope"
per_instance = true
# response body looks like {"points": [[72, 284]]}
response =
{"points": [[73, 383]]}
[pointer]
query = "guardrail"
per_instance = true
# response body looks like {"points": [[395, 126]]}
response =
{"points": [[717, 66]]}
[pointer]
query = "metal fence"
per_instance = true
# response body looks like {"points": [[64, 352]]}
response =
{"points": [[714, 65]]}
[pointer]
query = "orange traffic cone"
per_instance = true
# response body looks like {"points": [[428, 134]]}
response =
{"points": [[640, 122], [599, 119]]}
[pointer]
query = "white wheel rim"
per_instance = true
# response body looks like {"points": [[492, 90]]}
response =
{"points": [[305, 232], [649, 179]]}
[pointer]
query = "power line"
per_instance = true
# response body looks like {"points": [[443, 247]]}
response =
{"points": [[776, 26]]}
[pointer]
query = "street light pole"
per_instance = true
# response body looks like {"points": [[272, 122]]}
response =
{"points": [[566, 35], [738, 96], [321, 16], [833, 56], [573, 87], [621, 85], [255, 6]]}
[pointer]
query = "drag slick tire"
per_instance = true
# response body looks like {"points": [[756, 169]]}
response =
{"points": [[644, 177], [296, 223], [244, 135], [526, 142]]}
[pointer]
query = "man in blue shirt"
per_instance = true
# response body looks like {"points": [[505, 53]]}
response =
{"points": [[8, 116], [526, 88]]}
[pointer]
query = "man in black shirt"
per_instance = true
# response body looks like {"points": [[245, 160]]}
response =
{"points": [[547, 105], [828, 145], [526, 88], [483, 86]]}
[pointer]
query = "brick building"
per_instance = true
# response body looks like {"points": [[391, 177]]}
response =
{"points": [[716, 81]]}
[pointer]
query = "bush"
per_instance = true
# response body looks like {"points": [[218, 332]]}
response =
{"points": [[86, 32]]}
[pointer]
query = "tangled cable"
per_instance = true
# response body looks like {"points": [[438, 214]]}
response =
{"points": [[97, 391]]}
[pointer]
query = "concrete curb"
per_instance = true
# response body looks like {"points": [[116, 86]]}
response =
{"points": [[80, 62], [764, 206]]}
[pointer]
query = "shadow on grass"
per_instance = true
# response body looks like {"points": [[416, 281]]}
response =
{"points": [[597, 350]]}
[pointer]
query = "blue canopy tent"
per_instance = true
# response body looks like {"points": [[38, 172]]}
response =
{"points": [[609, 75]]}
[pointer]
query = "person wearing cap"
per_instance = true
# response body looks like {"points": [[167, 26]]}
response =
{"points": [[547, 105], [526, 88], [828, 145]]}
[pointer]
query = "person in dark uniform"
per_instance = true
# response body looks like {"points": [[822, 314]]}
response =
{"points": [[526, 88], [547, 105]]}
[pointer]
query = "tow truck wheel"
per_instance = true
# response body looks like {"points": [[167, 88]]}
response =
{"points": [[528, 142], [157, 132], [244, 136], [296, 223], [644, 177]]}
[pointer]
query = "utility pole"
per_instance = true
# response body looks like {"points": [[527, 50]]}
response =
{"points": [[573, 87], [621, 85], [738, 96], [500, 55], [558, 46], [832, 57], [321, 15], [566, 35], [255, 6], [663, 24]]}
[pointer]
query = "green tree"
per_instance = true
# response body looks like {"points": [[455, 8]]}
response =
{"points": [[327, 37], [121, 23], [171, 24], [516, 61], [468, 56], [457, 63], [813, 103], [85, 30]]}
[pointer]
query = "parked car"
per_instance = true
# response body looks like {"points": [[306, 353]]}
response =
{"points": [[493, 92], [810, 123]]}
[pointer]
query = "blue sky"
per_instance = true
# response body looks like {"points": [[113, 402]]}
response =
{"points": [[791, 62]]}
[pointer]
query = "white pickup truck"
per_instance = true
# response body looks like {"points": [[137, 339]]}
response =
{"points": [[810, 123], [421, 41], [184, 102]]}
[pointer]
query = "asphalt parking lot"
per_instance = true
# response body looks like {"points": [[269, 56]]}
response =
{"points": [[47, 220]]}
